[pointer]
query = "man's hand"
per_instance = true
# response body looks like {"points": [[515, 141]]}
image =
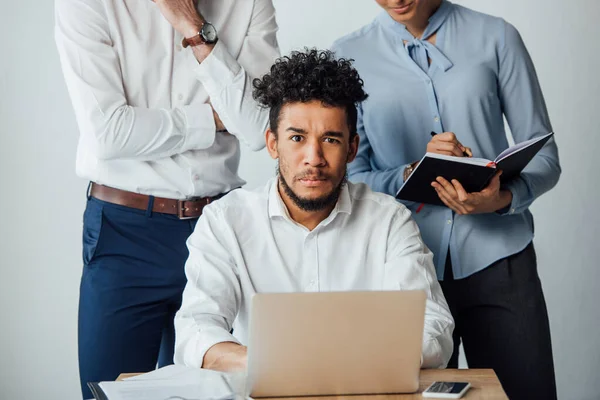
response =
{"points": [[226, 357], [490, 199], [182, 15], [446, 143]]}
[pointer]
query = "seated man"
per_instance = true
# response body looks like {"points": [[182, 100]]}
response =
{"points": [[308, 229]]}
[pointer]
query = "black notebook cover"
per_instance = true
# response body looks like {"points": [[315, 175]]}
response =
{"points": [[418, 186], [472, 177]]}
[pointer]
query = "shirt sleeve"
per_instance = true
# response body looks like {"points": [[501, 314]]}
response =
{"points": [[360, 170], [229, 82], [212, 295], [525, 110], [93, 76], [387, 181], [409, 266]]}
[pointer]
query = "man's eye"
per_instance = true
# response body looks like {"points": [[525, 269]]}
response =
{"points": [[296, 138], [331, 140]]}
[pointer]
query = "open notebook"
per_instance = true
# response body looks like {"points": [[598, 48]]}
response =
{"points": [[473, 173]]}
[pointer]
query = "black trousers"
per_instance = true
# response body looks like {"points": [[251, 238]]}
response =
{"points": [[501, 318]]}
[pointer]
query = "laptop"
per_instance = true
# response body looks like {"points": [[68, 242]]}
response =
{"points": [[335, 343]]}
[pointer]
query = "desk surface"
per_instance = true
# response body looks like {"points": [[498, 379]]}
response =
{"points": [[484, 385]]}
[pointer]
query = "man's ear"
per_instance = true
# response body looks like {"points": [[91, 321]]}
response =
{"points": [[353, 148], [271, 139]]}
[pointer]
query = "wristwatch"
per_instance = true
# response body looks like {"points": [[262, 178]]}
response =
{"points": [[409, 170], [207, 34]]}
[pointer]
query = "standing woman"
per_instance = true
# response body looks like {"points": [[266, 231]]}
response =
{"points": [[430, 65]]}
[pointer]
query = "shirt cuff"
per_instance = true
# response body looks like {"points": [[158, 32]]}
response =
{"points": [[217, 70], [519, 190], [202, 342], [201, 127]]}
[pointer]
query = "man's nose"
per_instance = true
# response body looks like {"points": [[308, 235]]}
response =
{"points": [[314, 155]]}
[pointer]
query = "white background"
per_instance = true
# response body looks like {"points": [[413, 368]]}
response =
{"points": [[42, 201]]}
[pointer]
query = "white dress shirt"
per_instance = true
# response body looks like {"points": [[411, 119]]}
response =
{"points": [[140, 99], [246, 243]]}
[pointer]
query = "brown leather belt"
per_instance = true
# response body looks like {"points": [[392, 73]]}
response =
{"points": [[184, 209]]}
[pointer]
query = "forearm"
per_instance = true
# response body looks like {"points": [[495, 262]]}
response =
{"points": [[149, 134], [108, 121], [210, 300], [230, 89], [227, 356], [388, 181], [229, 85], [539, 176], [409, 266]]}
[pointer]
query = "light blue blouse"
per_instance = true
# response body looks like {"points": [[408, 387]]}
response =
{"points": [[480, 72]]}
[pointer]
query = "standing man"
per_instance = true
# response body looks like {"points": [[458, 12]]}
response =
{"points": [[162, 95], [430, 65]]}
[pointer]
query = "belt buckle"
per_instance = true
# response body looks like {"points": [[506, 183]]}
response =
{"points": [[181, 209]]}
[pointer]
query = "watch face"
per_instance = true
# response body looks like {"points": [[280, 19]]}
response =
{"points": [[209, 33]]}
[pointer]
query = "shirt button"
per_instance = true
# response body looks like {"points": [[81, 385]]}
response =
{"points": [[449, 222], [436, 119], [180, 96], [512, 210], [196, 177]]}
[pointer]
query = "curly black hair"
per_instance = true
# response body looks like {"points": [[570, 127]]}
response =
{"points": [[310, 75]]}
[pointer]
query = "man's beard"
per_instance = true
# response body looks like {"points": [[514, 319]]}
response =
{"points": [[318, 204]]}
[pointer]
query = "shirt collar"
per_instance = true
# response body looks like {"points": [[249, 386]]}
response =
{"points": [[277, 207], [424, 48], [435, 22]]}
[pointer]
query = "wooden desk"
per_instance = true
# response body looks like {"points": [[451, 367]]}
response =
{"points": [[484, 385]]}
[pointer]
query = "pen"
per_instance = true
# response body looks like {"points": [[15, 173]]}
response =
{"points": [[465, 152]]}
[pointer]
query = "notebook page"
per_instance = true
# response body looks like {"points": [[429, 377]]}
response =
{"points": [[518, 147], [465, 160]]}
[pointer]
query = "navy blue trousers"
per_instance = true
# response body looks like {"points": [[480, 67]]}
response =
{"points": [[131, 286]]}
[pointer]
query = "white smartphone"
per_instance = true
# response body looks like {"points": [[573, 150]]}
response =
{"points": [[447, 390]]}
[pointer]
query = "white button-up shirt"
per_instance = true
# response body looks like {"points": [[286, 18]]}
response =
{"points": [[140, 99], [246, 243]]}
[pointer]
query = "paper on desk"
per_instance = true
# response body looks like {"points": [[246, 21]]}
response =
{"points": [[149, 390], [176, 382], [177, 373]]}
